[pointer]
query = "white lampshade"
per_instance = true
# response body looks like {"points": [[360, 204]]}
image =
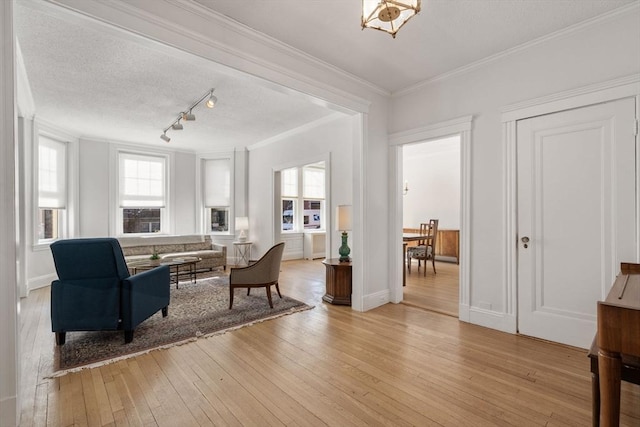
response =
{"points": [[343, 217], [242, 224]]}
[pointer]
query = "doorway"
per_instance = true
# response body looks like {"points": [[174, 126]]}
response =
{"points": [[431, 190]]}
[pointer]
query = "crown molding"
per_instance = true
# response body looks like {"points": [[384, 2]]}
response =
{"points": [[632, 7]]}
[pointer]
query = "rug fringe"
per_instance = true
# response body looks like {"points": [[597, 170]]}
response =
{"points": [[64, 372]]}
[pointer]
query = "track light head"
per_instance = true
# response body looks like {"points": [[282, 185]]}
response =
{"points": [[187, 117], [164, 137], [177, 126], [211, 102]]}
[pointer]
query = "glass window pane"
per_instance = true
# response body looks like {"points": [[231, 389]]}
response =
{"points": [[287, 214], [219, 219], [312, 214], [140, 220], [49, 224]]}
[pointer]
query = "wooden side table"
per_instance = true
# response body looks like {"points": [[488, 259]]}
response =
{"points": [[338, 282]]}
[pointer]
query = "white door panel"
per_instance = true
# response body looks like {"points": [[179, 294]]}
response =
{"points": [[576, 204]]}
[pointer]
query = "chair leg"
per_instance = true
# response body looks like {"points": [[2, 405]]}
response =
{"points": [[409, 263], [248, 291], [278, 289], [268, 288], [60, 338], [128, 337], [165, 311], [230, 297], [433, 263]]}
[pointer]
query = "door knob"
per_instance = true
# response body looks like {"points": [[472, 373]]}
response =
{"points": [[525, 240]]}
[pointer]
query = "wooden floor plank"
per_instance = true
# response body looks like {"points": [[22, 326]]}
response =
{"points": [[399, 364]]}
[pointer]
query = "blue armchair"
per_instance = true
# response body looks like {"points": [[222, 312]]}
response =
{"points": [[94, 291]]}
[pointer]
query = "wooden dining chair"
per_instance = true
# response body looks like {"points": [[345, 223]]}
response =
{"points": [[426, 247]]}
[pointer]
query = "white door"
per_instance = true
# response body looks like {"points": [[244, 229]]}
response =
{"points": [[576, 206]]}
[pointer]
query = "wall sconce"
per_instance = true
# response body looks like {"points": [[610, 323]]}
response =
{"points": [[405, 190], [242, 224], [343, 223]]}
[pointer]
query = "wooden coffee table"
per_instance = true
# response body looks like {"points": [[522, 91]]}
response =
{"points": [[178, 267]]}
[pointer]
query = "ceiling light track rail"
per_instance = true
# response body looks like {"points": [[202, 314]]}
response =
{"points": [[187, 115]]}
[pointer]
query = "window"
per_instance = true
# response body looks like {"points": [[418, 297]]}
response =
{"points": [[313, 196], [217, 194], [142, 193], [52, 189], [303, 187], [289, 197]]}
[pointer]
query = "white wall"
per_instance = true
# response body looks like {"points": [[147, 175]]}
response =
{"points": [[333, 141], [605, 50], [432, 171]]}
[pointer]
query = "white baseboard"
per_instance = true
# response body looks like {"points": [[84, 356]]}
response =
{"points": [[492, 319], [9, 412], [40, 281], [376, 300]]}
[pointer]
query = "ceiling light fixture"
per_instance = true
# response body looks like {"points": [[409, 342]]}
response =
{"points": [[388, 15], [211, 102], [187, 115]]}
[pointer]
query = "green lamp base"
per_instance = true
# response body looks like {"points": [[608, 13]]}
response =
{"points": [[344, 250]]}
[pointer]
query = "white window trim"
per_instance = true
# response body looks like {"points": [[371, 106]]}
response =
{"points": [[115, 211], [202, 217], [69, 221], [298, 205]]}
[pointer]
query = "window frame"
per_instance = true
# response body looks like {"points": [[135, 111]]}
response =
{"points": [[204, 211], [300, 198], [165, 211], [67, 218]]}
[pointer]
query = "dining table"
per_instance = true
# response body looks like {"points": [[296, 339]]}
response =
{"points": [[406, 238]]}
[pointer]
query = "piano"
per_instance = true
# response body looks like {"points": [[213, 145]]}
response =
{"points": [[618, 335]]}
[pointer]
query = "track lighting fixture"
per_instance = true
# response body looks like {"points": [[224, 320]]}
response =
{"points": [[188, 115], [211, 102]]}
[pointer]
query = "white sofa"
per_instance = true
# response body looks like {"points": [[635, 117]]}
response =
{"points": [[169, 247]]}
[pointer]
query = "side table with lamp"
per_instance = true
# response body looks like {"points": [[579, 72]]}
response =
{"points": [[338, 279], [242, 247]]}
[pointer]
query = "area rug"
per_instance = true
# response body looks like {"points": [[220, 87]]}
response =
{"points": [[196, 310]]}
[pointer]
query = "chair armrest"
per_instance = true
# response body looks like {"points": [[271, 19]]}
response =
{"points": [[144, 294], [221, 248]]}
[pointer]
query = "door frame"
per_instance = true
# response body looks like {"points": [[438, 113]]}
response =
{"points": [[611, 90], [460, 126]]}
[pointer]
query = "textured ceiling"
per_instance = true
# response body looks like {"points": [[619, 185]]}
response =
{"points": [[102, 84]]}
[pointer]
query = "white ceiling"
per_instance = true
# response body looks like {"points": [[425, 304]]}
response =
{"points": [[97, 83]]}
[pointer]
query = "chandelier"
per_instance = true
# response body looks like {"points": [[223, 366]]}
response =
{"points": [[388, 15]]}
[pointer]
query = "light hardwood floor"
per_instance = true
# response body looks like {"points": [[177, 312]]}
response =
{"points": [[396, 365], [436, 292]]}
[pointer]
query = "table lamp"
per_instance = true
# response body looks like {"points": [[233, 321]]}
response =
{"points": [[343, 223], [242, 224]]}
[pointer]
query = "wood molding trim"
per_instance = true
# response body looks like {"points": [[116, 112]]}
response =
{"points": [[461, 126], [9, 352]]}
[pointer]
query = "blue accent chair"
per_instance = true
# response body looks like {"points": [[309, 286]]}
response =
{"points": [[94, 291]]}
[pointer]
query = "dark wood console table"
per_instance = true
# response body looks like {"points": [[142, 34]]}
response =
{"points": [[618, 336], [338, 282]]}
